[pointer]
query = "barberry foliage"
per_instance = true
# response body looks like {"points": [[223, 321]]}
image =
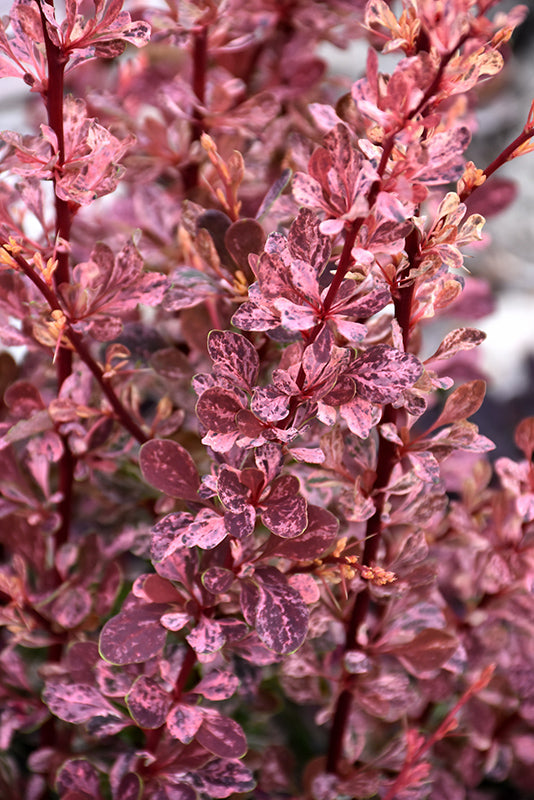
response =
{"points": [[234, 560]]}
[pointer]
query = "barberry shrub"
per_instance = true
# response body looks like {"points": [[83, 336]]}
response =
{"points": [[252, 544]]}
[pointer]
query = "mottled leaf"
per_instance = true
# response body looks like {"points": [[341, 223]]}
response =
{"points": [[234, 358], [275, 609], [285, 510], [79, 702], [320, 533], [217, 408], [222, 736], [207, 637], [148, 702], [77, 773], [383, 372], [133, 636], [224, 777], [167, 466], [456, 341], [206, 531], [183, 722], [217, 685]]}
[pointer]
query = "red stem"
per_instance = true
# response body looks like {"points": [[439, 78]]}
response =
{"points": [[53, 99], [200, 60]]}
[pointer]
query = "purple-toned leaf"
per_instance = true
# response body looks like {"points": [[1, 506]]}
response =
{"points": [[207, 637], [217, 685], [217, 579], [321, 531], [217, 408], [461, 403], [275, 609], [189, 287], [243, 237], [79, 702], [155, 589], [233, 494], [222, 778], [235, 358], [241, 524], [383, 372], [206, 531], [183, 722], [112, 680], [72, 606], [222, 736], [133, 636], [167, 466], [285, 510], [428, 651], [130, 787], [77, 773], [148, 703], [456, 341]]}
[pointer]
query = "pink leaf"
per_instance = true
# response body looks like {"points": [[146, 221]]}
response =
{"points": [[183, 722], [77, 773], [456, 341], [217, 685], [207, 637], [167, 466], [80, 702], [206, 531], [383, 372]]}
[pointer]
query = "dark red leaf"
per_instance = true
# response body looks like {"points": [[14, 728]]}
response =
{"points": [[133, 636], [222, 778], [222, 736], [285, 510], [428, 651], [275, 609], [167, 466], [77, 773], [234, 358], [217, 408], [320, 533]]}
